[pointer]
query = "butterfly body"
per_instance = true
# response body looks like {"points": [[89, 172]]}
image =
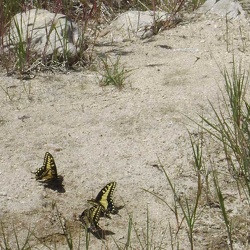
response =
{"points": [[104, 199], [48, 171], [90, 218]]}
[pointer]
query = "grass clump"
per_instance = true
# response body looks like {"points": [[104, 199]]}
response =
{"points": [[183, 209], [224, 213], [231, 127], [23, 244], [19, 37], [231, 131], [114, 73], [141, 237], [23, 58], [228, 132]]}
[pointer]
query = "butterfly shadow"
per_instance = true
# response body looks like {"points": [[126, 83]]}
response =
{"points": [[101, 234], [55, 184]]}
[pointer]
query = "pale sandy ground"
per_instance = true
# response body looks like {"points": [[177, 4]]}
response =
{"points": [[98, 135]]}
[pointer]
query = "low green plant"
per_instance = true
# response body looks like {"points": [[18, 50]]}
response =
{"points": [[7, 10], [24, 55], [114, 73], [87, 239], [231, 34], [243, 40], [21, 46], [145, 242], [128, 242], [10, 95], [71, 242], [231, 126], [227, 36], [27, 89], [68, 234], [143, 236], [221, 199], [5, 244], [197, 3], [231, 132], [173, 209], [21, 57], [188, 209], [170, 6]]}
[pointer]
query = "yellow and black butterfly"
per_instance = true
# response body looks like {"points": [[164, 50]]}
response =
{"points": [[48, 171], [104, 199], [90, 218]]}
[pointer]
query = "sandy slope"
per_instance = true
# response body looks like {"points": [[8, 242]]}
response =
{"points": [[98, 135]]}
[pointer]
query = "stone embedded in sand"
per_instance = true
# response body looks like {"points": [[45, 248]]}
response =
{"points": [[136, 24], [230, 8], [46, 33]]}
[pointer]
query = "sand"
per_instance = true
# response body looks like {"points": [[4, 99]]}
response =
{"points": [[102, 134]]}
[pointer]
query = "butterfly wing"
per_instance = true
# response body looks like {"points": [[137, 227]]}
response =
{"points": [[90, 218], [104, 198], [48, 171]]}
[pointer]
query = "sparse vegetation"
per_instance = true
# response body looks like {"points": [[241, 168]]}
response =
{"points": [[228, 130], [22, 58], [114, 73], [19, 242]]}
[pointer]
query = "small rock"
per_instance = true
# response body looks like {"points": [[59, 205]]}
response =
{"points": [[45, 32], [136, 23], [230, 8]]}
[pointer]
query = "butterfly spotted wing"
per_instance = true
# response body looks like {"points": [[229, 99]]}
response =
{"points": [[48, 171], [90, 218], [104, 199]]}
